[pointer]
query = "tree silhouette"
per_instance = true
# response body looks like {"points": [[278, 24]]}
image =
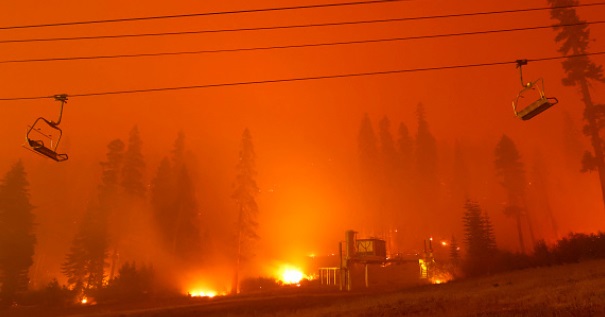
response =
{"points": [[405, 146], [130, 223], [110, 201], [511, 172], [244, 195], [133, 172], [426, 150], [17, 239], [478, 231], [162, 197], [427, 189], [175, 205], [389, 170], [580, 70], [479, 239], [85, 262]]}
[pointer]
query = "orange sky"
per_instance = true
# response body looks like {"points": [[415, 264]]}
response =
{"points": [[304, 132]]}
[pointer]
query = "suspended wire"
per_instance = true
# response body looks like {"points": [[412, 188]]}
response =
{"points": [[279, 27], [231, 50], [298, 79], [189, 15]]}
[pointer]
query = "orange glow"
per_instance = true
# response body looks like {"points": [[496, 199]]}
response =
{"points": [[290, 275], [84, 300], [441, 278], [444, 243], [202, 293]]}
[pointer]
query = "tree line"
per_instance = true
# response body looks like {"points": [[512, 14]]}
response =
{"points": [[106, 258]]}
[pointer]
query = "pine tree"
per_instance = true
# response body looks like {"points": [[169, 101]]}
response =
{"points": [[454, 251], [479, 239], [85, 262], [162, 197], [474, 230], [426, 150], [405, 146], [110, 202], [129, 227], [490, 236], [511, 172], [369, 168], [427, 189], [133, 172], [175, 206], [389, 168], [17, 239], [244, 195], [580, 71]]}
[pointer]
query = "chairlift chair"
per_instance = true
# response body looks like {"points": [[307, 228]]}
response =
{"points": [[38, 145], [536, 107]]}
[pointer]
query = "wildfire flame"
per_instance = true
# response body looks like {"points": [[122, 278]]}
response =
{"points": [[84, 300], [202, 293], [290, 275], [441, 278]]}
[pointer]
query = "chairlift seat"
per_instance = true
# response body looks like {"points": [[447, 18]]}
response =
{"points": [[536, 108], [34, 144], [51, 154]]}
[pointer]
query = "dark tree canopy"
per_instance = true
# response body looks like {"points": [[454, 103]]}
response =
{"points": [[175, 206], [133, 171], [511, 172], [580, 70], [244, 195], [17, 239]]}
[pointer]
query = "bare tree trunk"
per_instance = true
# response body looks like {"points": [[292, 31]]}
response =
{"points": [[595, 138], [238, 256], [520, 231]]}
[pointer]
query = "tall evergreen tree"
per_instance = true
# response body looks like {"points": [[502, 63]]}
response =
{"points": [[580, 71], [110, 203], [511, 172], [405, 146], [427, 185], [162, 197], [426, 150], [369, 168], [479, 239], [175, 206], [454, 251], [478, 234], [389, 168], [17, 239], [86, 260], [133, 172], [244, 195], [129, 227]]}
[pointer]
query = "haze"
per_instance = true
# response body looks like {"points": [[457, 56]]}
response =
{"points": [[305, 133]]}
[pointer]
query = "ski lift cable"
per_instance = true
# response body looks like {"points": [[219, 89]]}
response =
{"points": [[202, 14], [279, 27], [299, 79], [293, 46]]}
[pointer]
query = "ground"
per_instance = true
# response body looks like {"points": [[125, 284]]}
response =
{"points": [[567, 290]]}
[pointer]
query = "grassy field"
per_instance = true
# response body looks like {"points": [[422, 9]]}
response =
{"points": [[569, 290]]}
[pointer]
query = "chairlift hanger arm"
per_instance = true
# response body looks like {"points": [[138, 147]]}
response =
{"points": [[520, 64], [63, 99]]}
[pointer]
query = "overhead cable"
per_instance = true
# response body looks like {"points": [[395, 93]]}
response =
{"points": [[292, 46], [202, 14], [299, 79], [278, 27]]}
